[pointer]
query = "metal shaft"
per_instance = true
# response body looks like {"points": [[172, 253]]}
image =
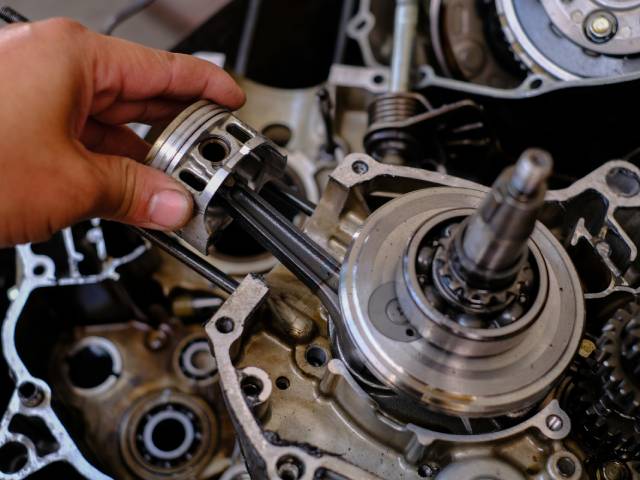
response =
{"points": [[404, 37], [283, 239], [490, 247], [317, 269], [189, 258], [10, 15]]}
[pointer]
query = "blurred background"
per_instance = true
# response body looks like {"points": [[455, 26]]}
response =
{"points": [[161, 24]]}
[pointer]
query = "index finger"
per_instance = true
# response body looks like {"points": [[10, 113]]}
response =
{"points": [[126, 71]]}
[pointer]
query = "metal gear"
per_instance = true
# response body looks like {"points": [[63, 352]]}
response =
{"points": [[618, 348], [549, 38], [472, 299], [605, 398], [612, 435]]}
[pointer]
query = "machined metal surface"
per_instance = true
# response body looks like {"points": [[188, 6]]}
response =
{"points": [[38, 272], [597, 39], [411, 322], [202, 147], [420, 367]]}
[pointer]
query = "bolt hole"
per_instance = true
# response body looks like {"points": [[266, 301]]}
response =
{"points": [[13, 457], [378, 79], [535, 84], [289, 468], [214, 149], [359, 167], [361, 24], [278, 133], [316, 356], [410, 332], [251, 387], [38, 270], [566, 467], [282, 383], [224, 325], [623, 182], [30, 394]]}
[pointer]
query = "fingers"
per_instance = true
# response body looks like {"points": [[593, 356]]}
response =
{"points": [[143, 111], [132, 193], [114, 140], [127, 72]]}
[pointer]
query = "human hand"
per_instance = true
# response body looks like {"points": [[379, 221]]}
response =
{"points": [[65, 154]]}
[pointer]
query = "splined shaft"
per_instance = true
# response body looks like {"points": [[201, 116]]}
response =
{"points": [[490, 247]]}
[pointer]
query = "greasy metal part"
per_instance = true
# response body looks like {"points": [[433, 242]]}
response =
{"points": [[275, 232], [489, 249], [399, 124], [38, 271], [317, 269], [292, 111], [278, 190], [161, 403], [440, 350], [458, 33], [404, 39], [605, 398], [392, 145], [190, 258], [308, 393], [398, 104], [202, 148], [608, 28], [617, 184], [327, 447], [560, 40]]}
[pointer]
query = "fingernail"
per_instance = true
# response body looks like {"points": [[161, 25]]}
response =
{"points": [[169, 209]]}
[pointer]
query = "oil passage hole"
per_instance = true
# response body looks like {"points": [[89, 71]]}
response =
{"points": [[214, 149], [282, 383], [316, 356]]}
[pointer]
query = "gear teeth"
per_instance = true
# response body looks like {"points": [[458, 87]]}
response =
{"points": [[463, 292], [605, 401]]}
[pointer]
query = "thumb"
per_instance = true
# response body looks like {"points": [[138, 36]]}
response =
{"points": [[139, 195]]}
